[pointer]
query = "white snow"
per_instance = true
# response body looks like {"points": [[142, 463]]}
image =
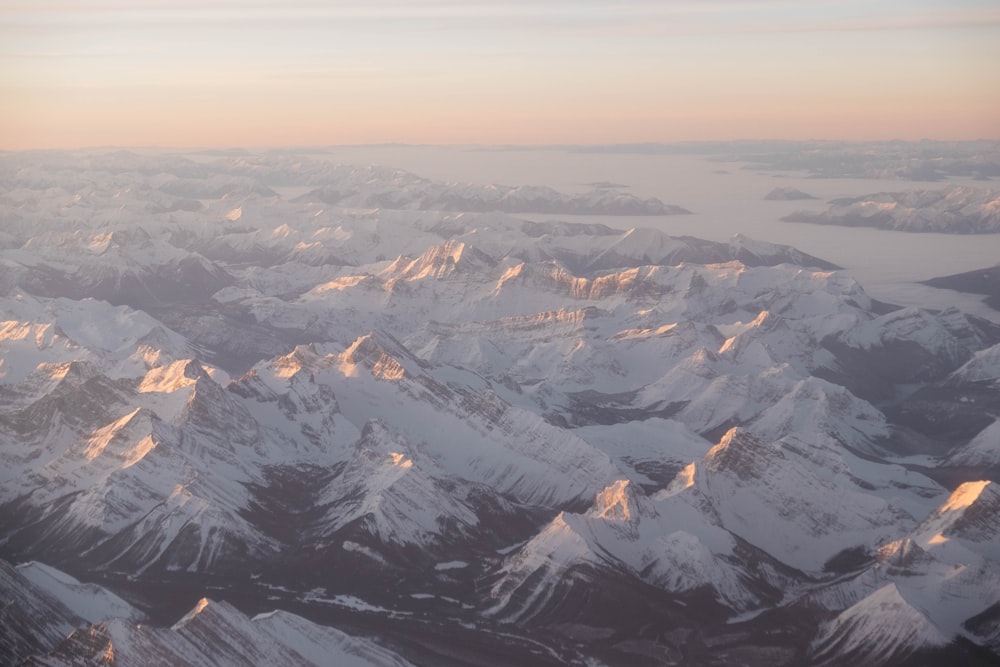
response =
{"points": [[88, 601], [451, 565], [880, 628], [982, 450], [462, 358]]}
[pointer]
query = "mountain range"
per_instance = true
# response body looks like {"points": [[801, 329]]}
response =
{"points": [[380, 420], [957, 209]]}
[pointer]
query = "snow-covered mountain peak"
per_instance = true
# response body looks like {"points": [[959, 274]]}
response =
{"points": [[130, 437], [383, 356], [642, 246], [303, 358], [44, 335], [950, 337], [983, 450], [739, 452], [903, 555], [747, 478], [616, 502], [971, 516], [762, 253], [89, 601], [198, 608], [390, 492], [825, 410], [969, 493], [880, 629], [684, 479], [441, 261], [984, 366], [378, 437], [172, 377], [75, 372], [646, 238]]}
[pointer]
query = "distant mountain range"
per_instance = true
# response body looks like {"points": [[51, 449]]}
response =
{"points": [[953, 210], [925, 160]]}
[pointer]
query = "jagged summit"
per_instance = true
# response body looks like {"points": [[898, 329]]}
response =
{"points": [[970, 515], [440, 262], [381, 354], [617, 501]]}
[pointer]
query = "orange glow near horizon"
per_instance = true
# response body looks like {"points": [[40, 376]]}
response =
{"points": [[94, 121], [531, 74]]}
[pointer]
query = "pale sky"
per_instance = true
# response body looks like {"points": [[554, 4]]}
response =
{"points": [[189, 73]]}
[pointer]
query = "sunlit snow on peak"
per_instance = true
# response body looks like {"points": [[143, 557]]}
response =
{"points": [[965, 495], [400, 460], [201, 605], [615, 502]]}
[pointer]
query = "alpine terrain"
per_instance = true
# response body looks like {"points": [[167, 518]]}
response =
{"points": [[268, 409]]}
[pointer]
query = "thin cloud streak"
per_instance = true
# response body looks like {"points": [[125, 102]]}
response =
{"points": [[982, 18], [722, 16], [46, 55]]}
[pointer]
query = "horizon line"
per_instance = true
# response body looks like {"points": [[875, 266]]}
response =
{"points": [[504, 146]]}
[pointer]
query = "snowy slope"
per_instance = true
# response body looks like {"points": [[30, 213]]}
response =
{"points": [[753, 483], [983, 450], [90, 602], [398, 499], [97, 626], [922, 589], [880, 629], [471, 431], [31, 619]]}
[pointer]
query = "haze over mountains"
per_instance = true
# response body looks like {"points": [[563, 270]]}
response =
{"points": [[273, 409]]}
